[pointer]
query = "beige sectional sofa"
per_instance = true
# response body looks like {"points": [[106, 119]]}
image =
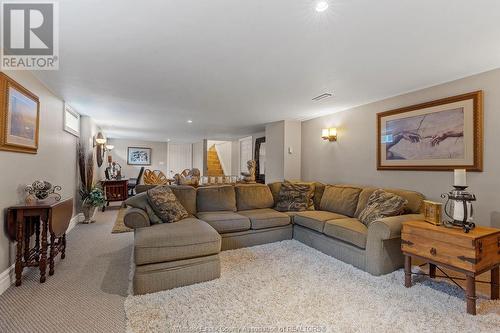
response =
{"points": [[229, 217]]}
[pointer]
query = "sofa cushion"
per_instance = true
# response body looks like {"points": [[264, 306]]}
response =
{"points": [[340, 199], [382, 204], [315, 219], [295, 197], [415, 199], [253, 196], [319, 188], [349, 230], [188, 238], [187, 197], [265, 218], [165, 204], [225, 222], [216, 198]]}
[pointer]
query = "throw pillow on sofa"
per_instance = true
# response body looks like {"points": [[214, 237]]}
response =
{"points": [[295, 197], [140, 201], [166, 205], [382, 204], [340, 199]]}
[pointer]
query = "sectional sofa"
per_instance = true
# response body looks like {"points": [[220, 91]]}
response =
{"points": [[169, 255]]}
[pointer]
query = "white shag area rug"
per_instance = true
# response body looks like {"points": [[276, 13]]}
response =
{"points": [[290, 287]]}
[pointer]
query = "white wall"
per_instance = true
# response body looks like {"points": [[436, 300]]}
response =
{"points": [[275, 152], [281, 138], [180, 157], [54, 162], [292, 150], [198, 156], [119, 153], [352, 159]]}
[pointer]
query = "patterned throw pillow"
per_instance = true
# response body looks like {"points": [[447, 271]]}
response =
{"points": [[166, 205], [295, 197], [382, 204]]}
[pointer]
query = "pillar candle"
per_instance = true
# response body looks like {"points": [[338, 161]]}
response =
{"points": [[460, 177]]}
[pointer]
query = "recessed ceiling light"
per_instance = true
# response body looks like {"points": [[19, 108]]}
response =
{"points": [[321, 6], [189, 121]]}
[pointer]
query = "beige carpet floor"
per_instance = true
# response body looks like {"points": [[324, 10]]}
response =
{"points": [[87, 292], [289, 287]]}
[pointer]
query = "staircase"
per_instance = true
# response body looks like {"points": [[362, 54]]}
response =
{"points": [[214, 168]]}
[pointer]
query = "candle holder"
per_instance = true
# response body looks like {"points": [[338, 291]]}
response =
{"points": [[458, 208]]}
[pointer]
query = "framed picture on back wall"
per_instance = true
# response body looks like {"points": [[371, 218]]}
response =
{"points": [[139, 156], [445, 134]]}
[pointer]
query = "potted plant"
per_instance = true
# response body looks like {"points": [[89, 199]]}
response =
{"points": [[92, 195]]}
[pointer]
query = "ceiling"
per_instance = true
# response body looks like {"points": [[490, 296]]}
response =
{"points": [[141, 69]]}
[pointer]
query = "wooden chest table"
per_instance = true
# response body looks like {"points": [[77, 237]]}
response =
{"points": [[115, 190], [470, 253]]}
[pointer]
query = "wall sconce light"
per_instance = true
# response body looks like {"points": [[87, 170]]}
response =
{"points": [[100, 139], [109, 147], [329, 134], [100, 144]]}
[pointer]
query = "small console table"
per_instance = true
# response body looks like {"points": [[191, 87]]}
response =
{"points": [[470, 253], [43, 218]]}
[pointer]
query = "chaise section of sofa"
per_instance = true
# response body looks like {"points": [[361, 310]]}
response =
{"points": [[170, 255]]}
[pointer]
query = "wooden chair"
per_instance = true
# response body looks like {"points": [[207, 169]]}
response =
{"points": [[133, 182], [155, 177]]}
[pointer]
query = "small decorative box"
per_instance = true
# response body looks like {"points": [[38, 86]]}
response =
{"points": [[432, 212]]}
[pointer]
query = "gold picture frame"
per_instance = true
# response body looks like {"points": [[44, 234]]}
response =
{"points": [[19, 117], [441, 135]]}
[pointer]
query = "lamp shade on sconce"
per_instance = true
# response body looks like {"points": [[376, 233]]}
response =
{"points": [[109, 147], [329, 134]]}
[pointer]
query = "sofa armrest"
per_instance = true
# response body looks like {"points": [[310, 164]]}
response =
{"points": [[390, 227], [383, 246], [136, 218]]}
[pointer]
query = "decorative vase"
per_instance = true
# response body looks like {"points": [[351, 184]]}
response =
{"points": [[88, 212]]}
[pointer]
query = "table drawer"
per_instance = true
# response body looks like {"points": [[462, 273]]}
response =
{"points": [[438, 251]]}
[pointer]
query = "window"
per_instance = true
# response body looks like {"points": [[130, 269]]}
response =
{"points": [[71, 120]]}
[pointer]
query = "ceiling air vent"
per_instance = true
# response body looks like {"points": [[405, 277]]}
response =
{"points": [[322, 96]]}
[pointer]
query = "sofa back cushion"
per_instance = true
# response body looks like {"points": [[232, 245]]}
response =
{"points": [[415, 199], [253, 196], [275, 190], [187, 196], [319, 189], [216, 198], [340, 199]]}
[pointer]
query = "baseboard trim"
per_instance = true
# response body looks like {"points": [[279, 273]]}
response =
{"points": [[8, 277]]}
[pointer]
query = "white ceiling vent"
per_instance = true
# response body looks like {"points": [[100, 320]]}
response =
{"points": [[322, 96]]}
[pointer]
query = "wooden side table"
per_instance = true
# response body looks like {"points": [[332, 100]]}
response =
{"points": [[114, 190], [470, 253], [41, 219]]}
